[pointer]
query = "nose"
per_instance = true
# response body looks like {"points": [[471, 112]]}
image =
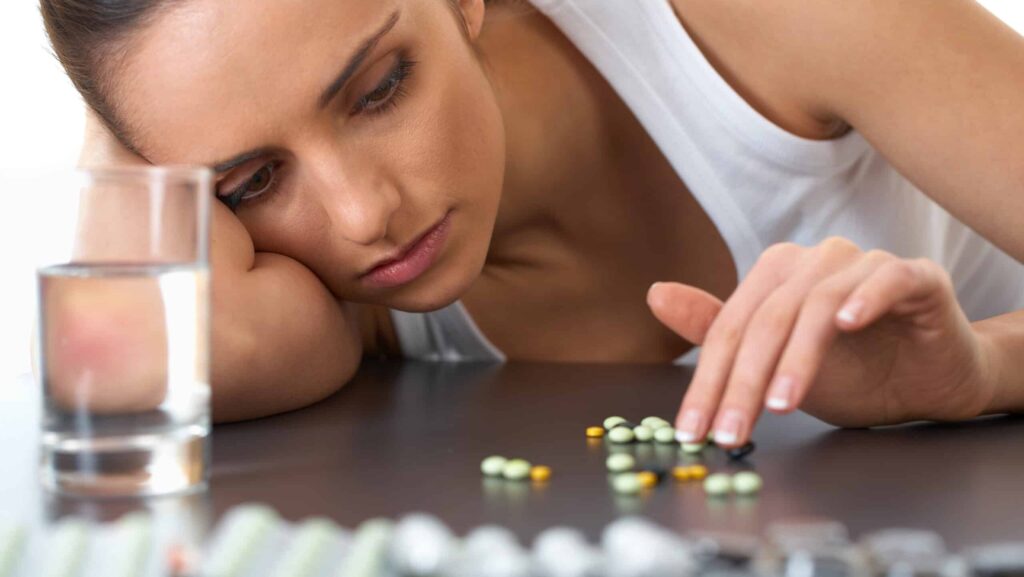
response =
{"points": [[358, 199]]}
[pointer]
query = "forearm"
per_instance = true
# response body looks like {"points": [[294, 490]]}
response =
{"points": [[280, 341], [1002, 339]]}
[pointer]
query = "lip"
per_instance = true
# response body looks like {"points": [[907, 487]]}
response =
{"points": [[411, 261]]}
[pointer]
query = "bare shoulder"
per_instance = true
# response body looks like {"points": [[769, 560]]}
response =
{"points": [[760, 47]]}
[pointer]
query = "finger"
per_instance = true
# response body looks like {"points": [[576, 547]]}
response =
{"points": [[719, 348], [814, 333], [687, 310], [765, 338], [766, 335], [897, 282]]}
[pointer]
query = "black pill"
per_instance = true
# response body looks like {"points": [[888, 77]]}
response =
{"points": [[740, 452]]}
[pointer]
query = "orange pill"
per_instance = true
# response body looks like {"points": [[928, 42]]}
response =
{"points": [[540, 473], [647, 479], [681, 473], [595, 432], [698, 472]]}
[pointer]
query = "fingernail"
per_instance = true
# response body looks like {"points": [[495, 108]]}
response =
{"points": [[780, 396], [689, 426], [729, 428], [850, 313]]}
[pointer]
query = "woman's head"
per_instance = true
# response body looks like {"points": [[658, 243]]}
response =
{"points": [[342, 129]]}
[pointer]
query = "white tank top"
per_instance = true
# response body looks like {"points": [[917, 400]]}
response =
{"points": [[758, 183]]}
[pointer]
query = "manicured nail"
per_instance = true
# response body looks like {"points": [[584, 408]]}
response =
{"points": [[689, 426], [729, 428], [850, 313], [780, 394]]}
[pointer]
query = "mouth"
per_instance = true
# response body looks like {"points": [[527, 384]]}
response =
{"points": [[411, 261]]}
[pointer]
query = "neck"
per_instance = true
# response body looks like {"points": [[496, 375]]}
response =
{"points": [[559, 137]]}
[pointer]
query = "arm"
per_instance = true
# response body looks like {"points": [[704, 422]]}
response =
{"points": [[280, 340]]}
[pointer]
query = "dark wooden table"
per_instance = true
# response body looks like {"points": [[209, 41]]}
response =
{"points": [[410, 437]]}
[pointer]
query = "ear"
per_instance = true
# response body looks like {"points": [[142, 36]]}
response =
{"points": [[473, 15]]}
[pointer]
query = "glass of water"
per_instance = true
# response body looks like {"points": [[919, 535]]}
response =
{"points": [[123, 333]]}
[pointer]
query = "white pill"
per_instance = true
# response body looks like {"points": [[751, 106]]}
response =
{"points": [[643, 433], [620, 462], [746, 482], [665, 435], [718, 484]]}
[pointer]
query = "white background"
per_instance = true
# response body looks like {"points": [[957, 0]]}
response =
{"points": [[40, 130]]}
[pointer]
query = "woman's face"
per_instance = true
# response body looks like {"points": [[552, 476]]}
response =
{"points": [[343, 132]]}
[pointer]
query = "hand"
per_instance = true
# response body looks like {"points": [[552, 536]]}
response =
{"points": [[854, 338]]}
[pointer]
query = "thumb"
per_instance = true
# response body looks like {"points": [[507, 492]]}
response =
{"points": [[687, 310]]}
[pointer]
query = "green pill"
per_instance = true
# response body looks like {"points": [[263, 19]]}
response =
{"points": [[746, 483], [626, 484], [620, 462], [643, 433], [718, 484], [516, 469], [612, 422], [621, 435], [665, 435], [493, 466], [654, 422], [693, 448]]}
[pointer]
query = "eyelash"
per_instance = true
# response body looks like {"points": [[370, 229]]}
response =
{"points": [[393, 89]]}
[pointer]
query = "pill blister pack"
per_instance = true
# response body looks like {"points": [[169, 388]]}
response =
{"points": [[254, 541]]}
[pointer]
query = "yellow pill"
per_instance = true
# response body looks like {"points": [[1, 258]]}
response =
{"points": [[681, 473], [595, 432], [698, 472], [540, 473], [647, 479]]}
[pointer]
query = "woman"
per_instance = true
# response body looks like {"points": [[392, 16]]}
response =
{"points": [[527, 172]]}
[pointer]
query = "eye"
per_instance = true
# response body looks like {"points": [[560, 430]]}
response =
{"points": [[259, 184], [388, 91]]}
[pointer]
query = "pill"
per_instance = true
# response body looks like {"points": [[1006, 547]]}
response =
{"points": [[740, 452], [665, 435], [620, 462], [540, 473], [681, 473], [516, 469], [621, 435], [654, 422], [697, 472], [693, 448], [493, 466], [626, 483], [647, 479], [595, 432], [643, 433], [611, 422], [718, 484], [746, 482]]}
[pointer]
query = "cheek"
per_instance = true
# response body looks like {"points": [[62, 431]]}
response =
{"points": [[455, 148]]}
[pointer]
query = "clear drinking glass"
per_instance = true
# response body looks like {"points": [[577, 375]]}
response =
{"points": [[123, 333]]}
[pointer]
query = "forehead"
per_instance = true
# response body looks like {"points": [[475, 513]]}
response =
{"points": [[209, 74]]}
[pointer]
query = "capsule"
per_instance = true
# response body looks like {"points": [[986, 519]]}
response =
{"points": [[621, 435], [516, 469], [493, 466], [595, 432], [739, 453], [747, 483], [648, 479], [612, 422], [540, 473], [620, 462], [718, 485], [665, 435], [643, 433]]}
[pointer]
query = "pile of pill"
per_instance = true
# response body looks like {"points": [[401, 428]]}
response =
{"points": [[626, 479], [514, 469]]}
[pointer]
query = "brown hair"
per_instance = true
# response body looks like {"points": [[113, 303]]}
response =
{"points": [[90, 38]]}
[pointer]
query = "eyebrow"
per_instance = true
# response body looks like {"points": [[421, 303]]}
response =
{"points": [[353, 65]]}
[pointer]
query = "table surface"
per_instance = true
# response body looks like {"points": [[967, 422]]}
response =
{"points": [[406, 437]]}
